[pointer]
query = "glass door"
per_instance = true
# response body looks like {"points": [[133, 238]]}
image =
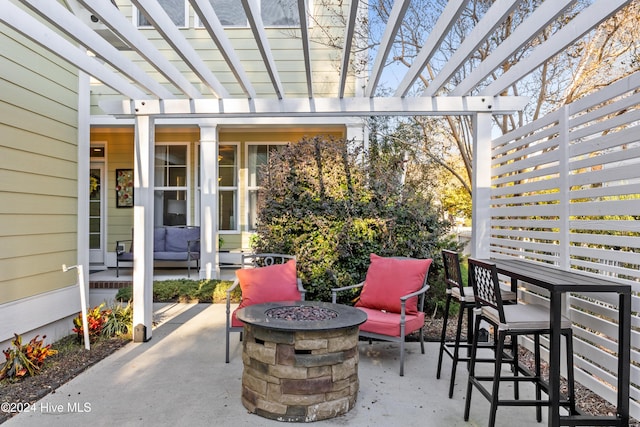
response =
{"points": [[96, 213]]}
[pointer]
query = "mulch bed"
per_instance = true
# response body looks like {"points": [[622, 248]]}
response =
{"points": [[71, 360]]}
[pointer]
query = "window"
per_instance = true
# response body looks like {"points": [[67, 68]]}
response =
{"points": [[280, 13], [170, 196], [176, 9], [274, 13], [227, 187], [230, 12], [258, 157]]}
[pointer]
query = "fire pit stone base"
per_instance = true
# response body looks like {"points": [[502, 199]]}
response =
{"points": [[298, 375]]}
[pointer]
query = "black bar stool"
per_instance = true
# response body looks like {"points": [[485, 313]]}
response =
{"points": [[466, 300], [511, 320]]}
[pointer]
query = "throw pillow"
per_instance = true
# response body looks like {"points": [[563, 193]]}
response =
{"points": [[390, 278], [276, 282]]}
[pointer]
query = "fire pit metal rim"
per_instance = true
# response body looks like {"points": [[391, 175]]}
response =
{"points": [[256, 315]]}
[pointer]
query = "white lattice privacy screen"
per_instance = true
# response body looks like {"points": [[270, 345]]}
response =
{"points": [[566, 191]]}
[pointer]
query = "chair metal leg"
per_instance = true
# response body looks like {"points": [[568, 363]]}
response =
{"points": [[443, 334], [402, 358], [514, 366], [472, 368], [456, 351], [226, 359], [536, 343], [496, 379], [570, 375]]}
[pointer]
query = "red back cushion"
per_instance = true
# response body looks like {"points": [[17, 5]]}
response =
{"points": [[390, 278], [276, 282]]}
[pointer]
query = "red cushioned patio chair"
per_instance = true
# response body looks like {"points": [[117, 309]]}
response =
{"points": [[392, 296], [263, 278]]}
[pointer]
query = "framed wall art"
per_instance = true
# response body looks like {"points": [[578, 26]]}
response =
{"points": [[124, 188]]}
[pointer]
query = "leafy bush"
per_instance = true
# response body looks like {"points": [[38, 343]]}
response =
{"points": [[109, 322], [184, 290], [25, 360], [118, 321], [332, 206]]}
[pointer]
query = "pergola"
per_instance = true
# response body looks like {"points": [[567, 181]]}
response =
{"points": [[99, 27]]}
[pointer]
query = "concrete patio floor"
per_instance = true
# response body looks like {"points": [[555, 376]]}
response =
{"points": [[179, 378]]}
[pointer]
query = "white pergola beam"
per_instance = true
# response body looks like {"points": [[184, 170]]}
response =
{"points": [[449, 15], [212, 24], [327, 107], [116, 22], [580, 25], [30, 27], [386, 43], [346, 50], [257, 27], [498, 12], [65, 21], [303, 7], [539, 19], [165, 26]]}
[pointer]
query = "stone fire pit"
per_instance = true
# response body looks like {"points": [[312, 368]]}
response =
{"points": [[300, 359]]}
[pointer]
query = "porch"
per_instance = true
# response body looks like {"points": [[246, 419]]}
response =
{"points": [[180, 378]]}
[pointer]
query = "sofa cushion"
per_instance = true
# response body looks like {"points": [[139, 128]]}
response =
{"points": [[267, 284], [390, 278], [385, 323], [159, 234], [170, 256], [177, 238]]}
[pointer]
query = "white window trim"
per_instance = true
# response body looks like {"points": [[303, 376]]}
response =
{"points": [[236, 230], [187, 186], [249, 188], [198, 189]]}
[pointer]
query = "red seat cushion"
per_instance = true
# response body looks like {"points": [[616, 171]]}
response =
{"points": [[385, 323], [390, 278], [267, 284]]}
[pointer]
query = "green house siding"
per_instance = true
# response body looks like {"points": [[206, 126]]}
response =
{"points": [[38, 169]]}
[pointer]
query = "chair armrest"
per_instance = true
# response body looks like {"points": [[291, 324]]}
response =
{"points": [[189, 242], [420, 291], [301, 289], [118, 242], [230, 289], [334, 291]]}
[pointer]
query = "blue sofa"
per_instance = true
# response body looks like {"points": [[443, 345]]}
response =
{"points": [[175, 243]]}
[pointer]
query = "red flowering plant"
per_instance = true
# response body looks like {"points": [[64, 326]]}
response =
{"points": [[25, 360], [96, 318]]}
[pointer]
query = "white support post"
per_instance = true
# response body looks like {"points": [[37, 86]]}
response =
{"points": [[209, 258], [143, 228], [84, 145], [481, 186], [564, 196]]}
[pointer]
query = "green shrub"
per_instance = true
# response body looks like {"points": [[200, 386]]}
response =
{"points": [[184, 290], [118, 321], [332, 206], [24, 360]]}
